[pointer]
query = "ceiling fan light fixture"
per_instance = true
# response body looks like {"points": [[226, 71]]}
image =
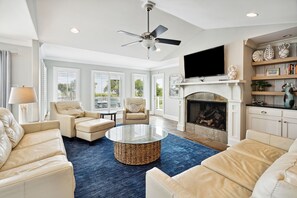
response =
{"points": [[158, 49], [74, 30], [252, 14]]}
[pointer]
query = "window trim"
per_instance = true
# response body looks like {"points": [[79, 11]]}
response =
{"points": [[55, 78]]}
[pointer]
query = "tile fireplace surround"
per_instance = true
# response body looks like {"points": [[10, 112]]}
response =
{"points": [[232, 90]]}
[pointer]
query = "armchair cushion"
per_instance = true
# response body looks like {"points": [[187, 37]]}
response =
{"points": [[135, 116], [72, 108], [13, 129], [5, 146], [135, 108], [135, 105]]}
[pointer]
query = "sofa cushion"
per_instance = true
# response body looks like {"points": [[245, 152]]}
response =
{"points": [[32, 166], [135, 116], [26, 155], [13, 130], [293, 147], [279, 178], [204, 182], [5, 146], [38, 137], [242, 169], [258, 150], [72, 108]]}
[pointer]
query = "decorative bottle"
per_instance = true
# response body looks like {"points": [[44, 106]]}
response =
{"points": [[268, 53]]}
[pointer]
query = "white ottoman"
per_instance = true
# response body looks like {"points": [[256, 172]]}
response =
{"points": [[93, 129]]}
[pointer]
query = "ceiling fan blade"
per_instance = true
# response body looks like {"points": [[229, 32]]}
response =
{"points": [[158, 31], [129, 33], [168, 41], [132, 43]]}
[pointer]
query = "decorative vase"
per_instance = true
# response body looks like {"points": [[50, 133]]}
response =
{"points": [[232, 72], [268, 53], [289, 95], [284, 50]]}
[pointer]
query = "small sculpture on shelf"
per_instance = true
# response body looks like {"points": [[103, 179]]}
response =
{"points": [[289, 95], [284, 50], [269, 53]]}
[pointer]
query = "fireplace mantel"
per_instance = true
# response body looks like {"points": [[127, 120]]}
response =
{"points": [[227, 82], [232, 90]]}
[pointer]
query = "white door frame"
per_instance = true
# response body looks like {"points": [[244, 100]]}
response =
{"points": [[154, 77]]}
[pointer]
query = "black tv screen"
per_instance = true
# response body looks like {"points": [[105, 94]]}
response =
{"points": [[209, 62]]}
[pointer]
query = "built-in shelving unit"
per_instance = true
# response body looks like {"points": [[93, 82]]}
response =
{"points": [[269, 93], [275, 61], [292, 76]]}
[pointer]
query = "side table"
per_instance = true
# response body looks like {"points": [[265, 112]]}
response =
{"points": [[112, 113]]}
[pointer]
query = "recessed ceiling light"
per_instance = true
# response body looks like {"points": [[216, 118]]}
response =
{"points": [[252, 14], [74, 30], [287, 35]]}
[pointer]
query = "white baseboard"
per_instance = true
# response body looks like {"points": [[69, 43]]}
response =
{"points": [[170, 117]]}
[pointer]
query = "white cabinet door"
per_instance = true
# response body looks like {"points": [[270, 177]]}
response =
{"points": [[290, 128], [267, 124]]}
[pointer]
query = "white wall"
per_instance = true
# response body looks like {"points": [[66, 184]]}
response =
{"points": [[22, 73], [85, 79]]}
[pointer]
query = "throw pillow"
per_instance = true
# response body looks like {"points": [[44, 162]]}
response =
{"points": [[134, 108], [13, 130], [5, 146]]}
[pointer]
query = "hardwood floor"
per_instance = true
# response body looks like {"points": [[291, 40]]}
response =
{"points": [[170, 125]]}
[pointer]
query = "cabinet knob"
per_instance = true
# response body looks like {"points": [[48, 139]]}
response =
{"points": [[285, 122], [279, 121], [263, 112]]}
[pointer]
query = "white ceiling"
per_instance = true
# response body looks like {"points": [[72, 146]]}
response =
{"points": [[98, 21]]}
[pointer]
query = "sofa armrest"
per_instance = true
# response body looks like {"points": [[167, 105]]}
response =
{"points": [[159, 184], [92, 114], [124, 115], [40, 126], [50, 181], [67, 124]]}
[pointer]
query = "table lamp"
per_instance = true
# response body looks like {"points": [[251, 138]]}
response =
{"points": [[22, 96]]}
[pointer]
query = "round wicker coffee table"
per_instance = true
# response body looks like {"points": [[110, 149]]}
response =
{"points": [[136, 144]]}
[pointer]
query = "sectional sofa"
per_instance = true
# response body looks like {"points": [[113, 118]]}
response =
{"points": [[33, 162], [260, 166]]}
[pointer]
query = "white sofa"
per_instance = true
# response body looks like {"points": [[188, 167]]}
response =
{"points": [[33, 162], [261, 166]]}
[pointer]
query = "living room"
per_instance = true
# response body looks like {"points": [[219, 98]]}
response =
{"points": [[97, 53]]}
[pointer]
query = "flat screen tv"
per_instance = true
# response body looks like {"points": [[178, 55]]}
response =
{"points": [[209, 62]]}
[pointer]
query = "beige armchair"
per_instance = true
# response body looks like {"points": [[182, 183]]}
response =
{"points": [[135, 111], [70, 113]]}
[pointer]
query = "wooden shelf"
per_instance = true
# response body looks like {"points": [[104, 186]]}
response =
{"points": [[269, 93], [275, 61], [292, 76]]}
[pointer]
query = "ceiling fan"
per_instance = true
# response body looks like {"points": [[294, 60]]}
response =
{"points": [[149, 39]]}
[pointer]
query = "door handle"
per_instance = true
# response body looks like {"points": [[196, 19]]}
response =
{"points": [[285, 122], [263, 112]]}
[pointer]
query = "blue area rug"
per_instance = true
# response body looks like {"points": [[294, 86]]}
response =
{"points": [[99, 174]]}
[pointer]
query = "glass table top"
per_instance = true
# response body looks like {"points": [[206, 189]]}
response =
{"points": [[136, 134]]}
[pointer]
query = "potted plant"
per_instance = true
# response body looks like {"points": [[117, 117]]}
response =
{"points": [[260, 85]]}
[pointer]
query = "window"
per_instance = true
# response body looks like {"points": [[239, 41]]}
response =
{"points": [[108, 90], [139, 85], [66, 84]]}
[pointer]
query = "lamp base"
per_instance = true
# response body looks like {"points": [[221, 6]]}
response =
{"points": [[23, 113]]}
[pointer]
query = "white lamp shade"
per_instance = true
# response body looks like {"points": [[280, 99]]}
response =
{"points": [[22, 95]]}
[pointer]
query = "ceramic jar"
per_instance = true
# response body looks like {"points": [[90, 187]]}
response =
{"points": [[284, 50], [268, 53], [232, 72]]}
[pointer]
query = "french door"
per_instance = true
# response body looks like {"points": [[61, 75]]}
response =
{"points": [[158, 94]]}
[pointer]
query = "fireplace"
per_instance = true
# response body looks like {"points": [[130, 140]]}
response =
{"points": [[207, 115]]}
